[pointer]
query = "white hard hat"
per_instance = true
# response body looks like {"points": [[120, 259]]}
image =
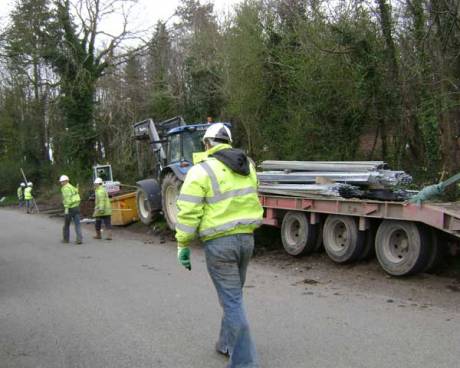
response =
{"points": [[63, 178], [218, 131], [98, 181], [23, 184], [29, 184]]}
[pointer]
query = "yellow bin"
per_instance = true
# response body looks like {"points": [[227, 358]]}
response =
{"points": [[124, 209]]}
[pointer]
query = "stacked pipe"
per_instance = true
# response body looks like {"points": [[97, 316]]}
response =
{"points": [[333, 166], [359, 179]]}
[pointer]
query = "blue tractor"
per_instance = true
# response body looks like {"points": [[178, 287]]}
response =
{"points": [[173, 144]]}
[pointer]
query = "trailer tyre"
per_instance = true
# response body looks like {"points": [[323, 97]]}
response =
{"points": [[342, 240], [402, 247], [299, 237], [143, 207], [170, 189], [437, 251]]}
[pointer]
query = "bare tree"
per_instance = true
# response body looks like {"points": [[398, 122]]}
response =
{"points": [[81, 53]]}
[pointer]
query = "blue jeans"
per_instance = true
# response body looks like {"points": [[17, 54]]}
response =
{"points": [[74, 214], [29, 205], [227, 259], [103, 219]]}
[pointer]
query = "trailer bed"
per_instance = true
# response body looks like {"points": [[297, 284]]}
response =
{"points": [[441, 216]]}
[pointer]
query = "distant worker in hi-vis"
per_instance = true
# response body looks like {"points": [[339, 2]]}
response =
{"points": [[71, 202], [28, 197], [102, 210], [20, 193]]}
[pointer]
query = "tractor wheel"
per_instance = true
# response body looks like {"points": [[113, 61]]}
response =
{"points": [[146, 215], [170, 189]]}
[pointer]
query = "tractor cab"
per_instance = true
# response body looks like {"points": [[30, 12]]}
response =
{"points": [[173, 144], [183, 142]]}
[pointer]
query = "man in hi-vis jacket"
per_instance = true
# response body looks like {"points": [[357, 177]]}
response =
{"points": [[71, 202], [218, 203]]}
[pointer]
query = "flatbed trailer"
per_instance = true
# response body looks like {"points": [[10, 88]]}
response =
{"points": [[405, 237]]}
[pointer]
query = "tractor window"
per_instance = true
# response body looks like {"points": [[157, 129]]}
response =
{"points": [[104, 172], [192, 143], [174, 148]]}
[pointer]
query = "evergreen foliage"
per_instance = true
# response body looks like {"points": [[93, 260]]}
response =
{"points": [[299, 80]]}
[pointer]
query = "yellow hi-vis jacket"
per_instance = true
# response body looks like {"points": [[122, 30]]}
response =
{"points": [[215, 201], [28, 194], [103, 206], [70, 196]]}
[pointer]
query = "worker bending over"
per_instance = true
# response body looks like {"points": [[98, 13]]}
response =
{"points": [[102, 210], [219, 203]]}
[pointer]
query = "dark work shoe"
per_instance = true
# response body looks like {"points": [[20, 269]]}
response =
{"points": [[64, 241], [78, 242], [221, 352]]}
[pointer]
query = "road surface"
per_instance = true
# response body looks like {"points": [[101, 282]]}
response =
{"points": [[127, 304]]}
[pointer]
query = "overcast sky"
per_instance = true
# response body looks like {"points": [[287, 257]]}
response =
{"points": [[144, 14]]}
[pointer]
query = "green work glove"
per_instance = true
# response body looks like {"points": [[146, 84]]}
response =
{"points": [[183, 256], [66, 211]]}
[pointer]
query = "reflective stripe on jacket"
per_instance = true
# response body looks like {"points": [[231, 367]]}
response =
{"points": [[215, 201], [28, 193], [70, 196], [102, 206]]}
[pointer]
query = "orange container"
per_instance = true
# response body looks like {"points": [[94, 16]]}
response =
{"points": [[124, 209]]}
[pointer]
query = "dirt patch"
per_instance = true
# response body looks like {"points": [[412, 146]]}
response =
{"points": [[51, 202], [453, 288], [150, 235], [306, 281]]}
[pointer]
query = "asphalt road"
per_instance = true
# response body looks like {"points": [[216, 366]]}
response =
{"points": [[127, 303]]}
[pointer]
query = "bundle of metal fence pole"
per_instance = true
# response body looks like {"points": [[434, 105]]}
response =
{"points": [[381, 177], [324, 190], [394, 178], [333, 166], [311, 177]]}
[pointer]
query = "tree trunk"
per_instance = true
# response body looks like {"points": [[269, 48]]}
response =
{"points": [[447, 76], [394, 116]]}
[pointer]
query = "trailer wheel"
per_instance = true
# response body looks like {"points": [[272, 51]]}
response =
{"points": [[437, 251], [402, 247], [342, 239], [143, 207], [170, 189], [297, 234]]}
